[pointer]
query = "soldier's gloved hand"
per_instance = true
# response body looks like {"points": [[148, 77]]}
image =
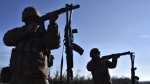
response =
{"points": [[53, 17], [32, 27]]}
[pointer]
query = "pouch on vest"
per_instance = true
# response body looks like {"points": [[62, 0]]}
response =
{"points": [[5, 75], [50, 57], [50, 60]]}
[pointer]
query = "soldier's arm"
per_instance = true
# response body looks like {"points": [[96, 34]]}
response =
{"points": [[51, 38], [92, 66], [12, 37], [111, 64]]}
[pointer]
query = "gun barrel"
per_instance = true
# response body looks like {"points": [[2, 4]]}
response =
{"points": [[119, 54], [125, 53], [60, 11], [46, 17]]}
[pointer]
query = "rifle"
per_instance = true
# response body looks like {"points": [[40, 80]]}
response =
{"points": [[107, 57], [69, 45], [40, 20], [133, 77]]}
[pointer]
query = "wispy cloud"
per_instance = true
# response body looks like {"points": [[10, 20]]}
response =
{"points": [[143, 36]]}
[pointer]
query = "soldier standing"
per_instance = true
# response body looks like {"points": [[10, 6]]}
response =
{"points": [[29, 58], [99, 67]]}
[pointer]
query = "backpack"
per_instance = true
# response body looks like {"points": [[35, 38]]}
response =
{"points": [[5, 75]]}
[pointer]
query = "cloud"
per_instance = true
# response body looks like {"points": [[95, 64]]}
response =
{"points": [[143, 36]]}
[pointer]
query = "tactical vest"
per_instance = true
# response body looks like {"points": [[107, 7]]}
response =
{"points": [[101, 74], [29, 59]]}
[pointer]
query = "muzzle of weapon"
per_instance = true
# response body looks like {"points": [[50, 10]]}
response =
{"points": [[78, 49]]}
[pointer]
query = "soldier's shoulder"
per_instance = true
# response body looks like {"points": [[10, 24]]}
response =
{"points": [[91, 61], [15, 28]]}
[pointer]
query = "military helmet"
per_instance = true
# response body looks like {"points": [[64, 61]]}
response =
{"points": [[29, 11], [93, 51]]}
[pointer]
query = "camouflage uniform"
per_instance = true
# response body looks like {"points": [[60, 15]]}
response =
{"points": [[99, 70], [28, 62]]}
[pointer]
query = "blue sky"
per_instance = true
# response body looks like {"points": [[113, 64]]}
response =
{"points": [[113, 26]]}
